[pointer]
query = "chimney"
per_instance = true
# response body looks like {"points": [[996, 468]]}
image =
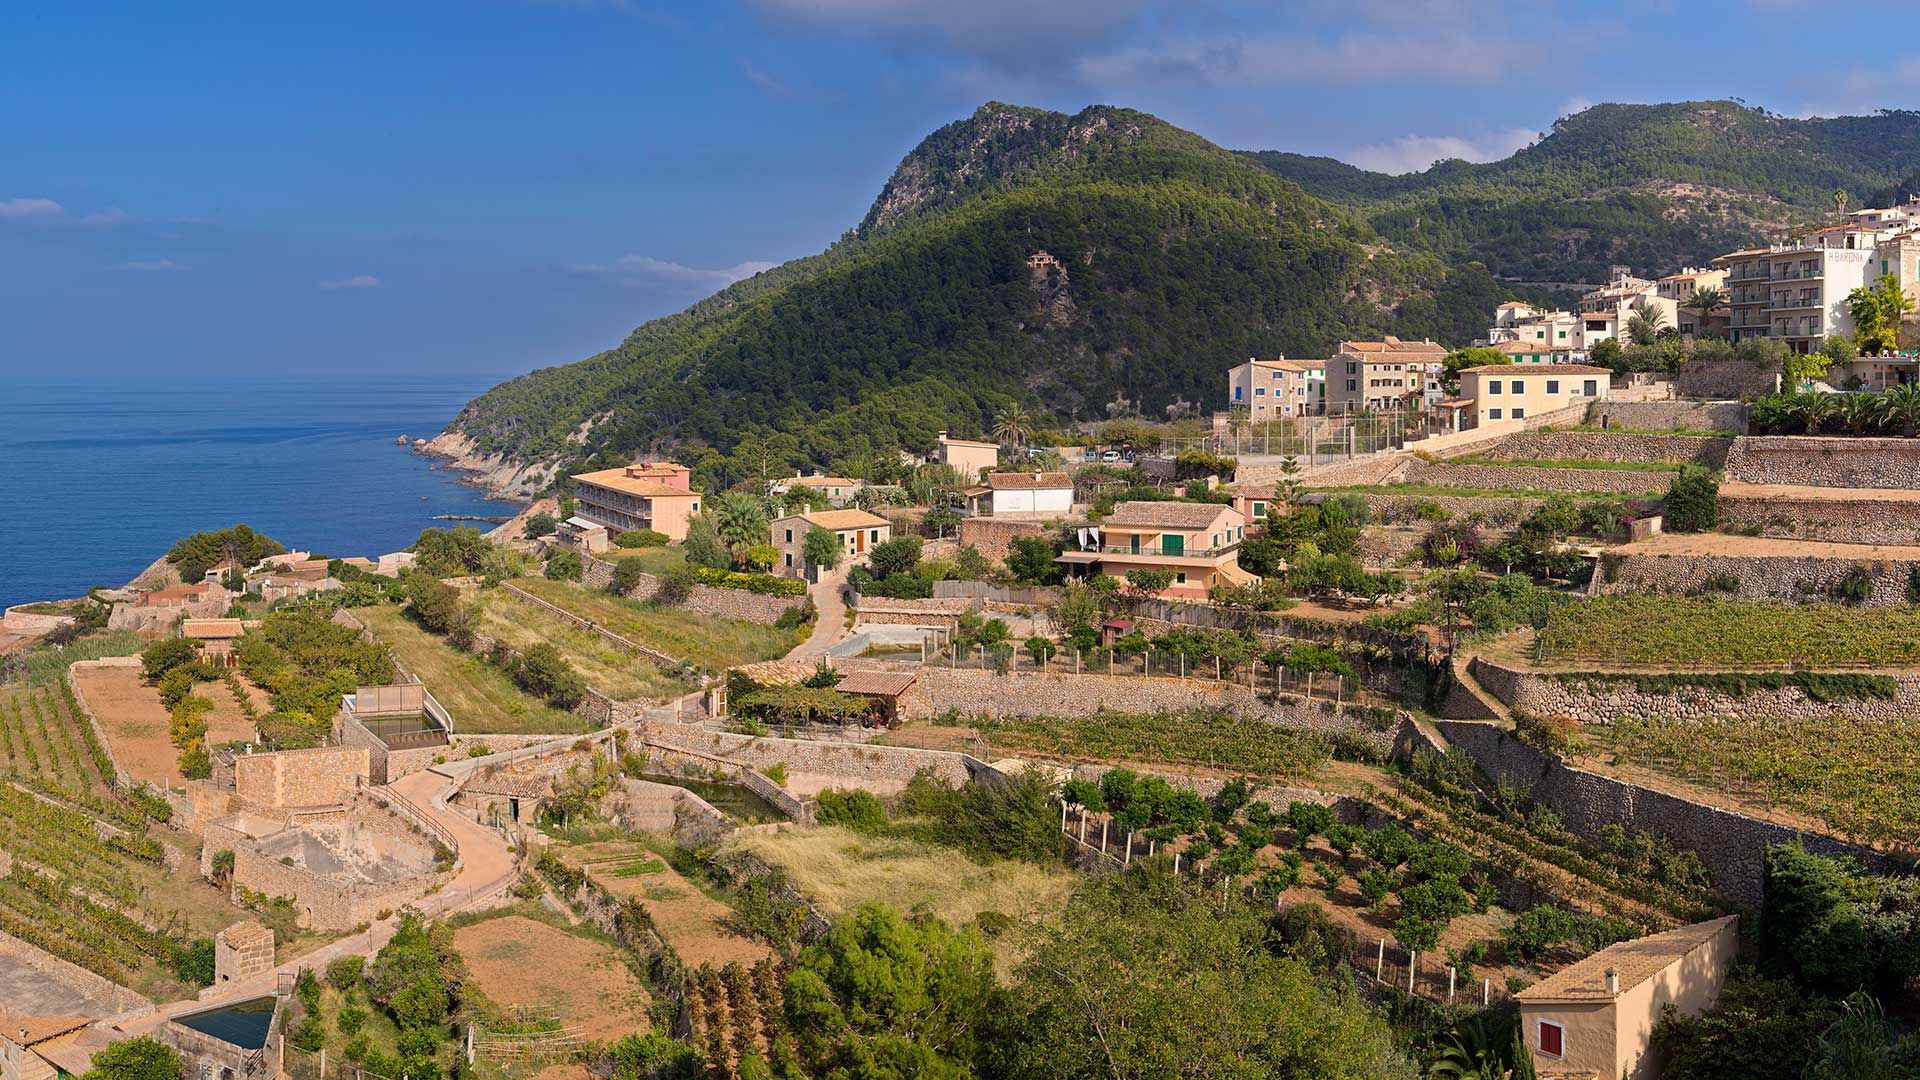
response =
{"points": [[1613, 983], [941, 434]]}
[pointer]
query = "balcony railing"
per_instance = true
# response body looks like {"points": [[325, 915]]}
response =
{"points": [[1157, 549]]}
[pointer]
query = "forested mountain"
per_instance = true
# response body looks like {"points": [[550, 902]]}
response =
{"points": [[1177, 260], [1650, 186]]}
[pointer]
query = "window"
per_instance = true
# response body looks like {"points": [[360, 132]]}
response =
{"points": [[1563, 333], [1180, 577], [1590, 388], [1352, 368], [1553, 386], [789, 536], [1519, 414], [789, 558], [1259, 391], [1351, 387], [1493, 414], [1259, 509], [1493, 386], [1540, 335], [1236, 393], [1552, 1039], [874, 535], [1519, 387]]}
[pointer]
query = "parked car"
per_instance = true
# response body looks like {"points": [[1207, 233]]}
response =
{"points": [[1111, 455]]}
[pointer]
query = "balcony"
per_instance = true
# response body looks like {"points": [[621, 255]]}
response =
{"points": [[1799, 275], [1155, 550], [1808, 303]]}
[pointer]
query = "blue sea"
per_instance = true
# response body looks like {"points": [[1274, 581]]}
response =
{"points": [[98, 478]]}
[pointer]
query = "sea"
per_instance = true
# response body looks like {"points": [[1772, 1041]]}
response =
{"points": [[98, 478]]}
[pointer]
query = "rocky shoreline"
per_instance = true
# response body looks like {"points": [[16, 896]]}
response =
{"points": [[501, 478]]}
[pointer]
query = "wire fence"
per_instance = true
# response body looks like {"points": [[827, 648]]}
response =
{"points": [[1256, 675], [319, 1065]]}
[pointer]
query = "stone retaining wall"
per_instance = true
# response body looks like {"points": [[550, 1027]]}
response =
{"points": [[1603, 446], [321, 776], [1732, 845], [1723, 379], [121, 779], [859, 765], [29, 624], [994, 537], [324, 903], [736, 604], [1802, 579], [1850, 521], [1602, 700], [1036, 694], [1536, 478], [1672, 415], [1820, 461], [116, 999]]}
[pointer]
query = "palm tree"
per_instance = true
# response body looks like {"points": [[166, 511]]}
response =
{"points": [[1012, 425], [1900, 408], [1860, 412], [1703, 301], [1237, 423], [1645, 324], [1814, 410], [1839, 202]]}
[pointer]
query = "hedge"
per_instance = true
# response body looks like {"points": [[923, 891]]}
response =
{"points": [[1824, 687], [759, 583]]}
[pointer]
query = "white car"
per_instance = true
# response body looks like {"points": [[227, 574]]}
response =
{"points": [[1111, 455]]}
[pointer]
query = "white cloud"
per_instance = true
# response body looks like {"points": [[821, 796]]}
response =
{"points": [[1415, 153], [152, 265], [358, 281], [1366, 57], [764, 79], [30, 210], [643, 270]]}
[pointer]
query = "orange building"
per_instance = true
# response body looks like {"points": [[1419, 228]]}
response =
{"points": [[1199, 543], [655, 495]]}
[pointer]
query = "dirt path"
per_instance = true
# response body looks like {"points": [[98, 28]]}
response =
{"points": [[136, 723], [1734, 489], [1751, 546], [831, 625], [486, 862]]}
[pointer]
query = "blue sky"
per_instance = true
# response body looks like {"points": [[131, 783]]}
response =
{"points": [[487, 187]]}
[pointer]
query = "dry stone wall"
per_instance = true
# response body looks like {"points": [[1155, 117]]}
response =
{"points": [[1818, 461], [995, 537], [1672, 415], [1733, 846], [1537, 478], [1847, 521], [1598, 699], [891, 765], [1626, 448], [1498, 511], [737, 604], [1725, 379], [1802, 579], [322, 776]]}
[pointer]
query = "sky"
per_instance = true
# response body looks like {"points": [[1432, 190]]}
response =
{"points": [[228, 187]]}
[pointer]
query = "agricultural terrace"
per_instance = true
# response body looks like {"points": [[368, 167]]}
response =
{"points": [[703, 640], [481, 697], [137, 723], [1193, 739], [607, 667], [839, 870], [701, 928], [653, 560], [530, 967], [89, 881], [1860, 779], [1672, 631]]}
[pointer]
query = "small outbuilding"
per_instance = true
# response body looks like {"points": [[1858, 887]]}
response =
{"points": [[1595, 1018]]}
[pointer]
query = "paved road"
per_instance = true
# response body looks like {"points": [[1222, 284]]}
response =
{"points": [[831, 625]]}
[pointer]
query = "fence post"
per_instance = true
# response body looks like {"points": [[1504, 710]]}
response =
{"points": [[1063, 826], [323, 1059], [1413, 962], [1127, 860], [1450, 977], [1083, 826], [469, 1043], [1103, 835], [1380, 960], [1176, 864], [1486, 992]]}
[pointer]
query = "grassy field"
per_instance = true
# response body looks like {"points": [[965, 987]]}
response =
{"points": [[1205, 739], [1861, 779], [839, 870], [655, 560], [1566, 463], [1437, 491], [699, 639], [607, 668], [479, 695], [1662, 631]]}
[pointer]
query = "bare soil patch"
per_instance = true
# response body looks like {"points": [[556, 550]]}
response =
{"points": [[521, 963], [1727, 544], [136, 723], [693, 923]]}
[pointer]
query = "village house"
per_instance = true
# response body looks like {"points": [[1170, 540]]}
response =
{"points": [[1678, 287], [655, 495], [588, 537], [1595, 1018], [1021, 495], [1517, 391], [1277, 389], [1199, 543], [838, 489], [857, 530], [25, 1039], [183, 595], [1380, 376], [967, 457], [1522, 352], [217, 637]]}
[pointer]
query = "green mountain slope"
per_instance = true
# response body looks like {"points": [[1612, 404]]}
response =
{"points": [[1178, 260], [1651, 186]]}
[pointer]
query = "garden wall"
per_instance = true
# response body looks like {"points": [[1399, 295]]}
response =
{"points": [[995, 537], [1803, 579], [1724, 379], [1498, 511], [322, 776], [1848, 521], [1819, 461], [1710, 451], [1671, 415], [737, 604], [116, 999], [859, 765], [1536, 478], [1733, 846], [325, 903], [1599, 699]]}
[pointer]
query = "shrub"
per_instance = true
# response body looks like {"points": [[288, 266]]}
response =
{"points": [[193, 962], [345, 971], [539, 525], [1308, 820], [640, 538], [675, 585], [1693, 502], [564, 565], [1853, 587], [1548, 734], [766, 584], [853, 809], [166, 654], [350, 1019], [626, 576]]}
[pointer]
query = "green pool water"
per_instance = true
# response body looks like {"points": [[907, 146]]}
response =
{"points": [[730, 799], [244, 1024]]}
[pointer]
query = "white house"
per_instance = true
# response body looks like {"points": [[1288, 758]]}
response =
{"points": [[1010, 494]]}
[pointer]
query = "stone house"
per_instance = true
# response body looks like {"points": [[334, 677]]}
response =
{"points": [[24, 1039], [1277, 389], [839, 490], [857, 530], [217, 637], [1595, 1018], [582, 534], [1380, 376]]}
